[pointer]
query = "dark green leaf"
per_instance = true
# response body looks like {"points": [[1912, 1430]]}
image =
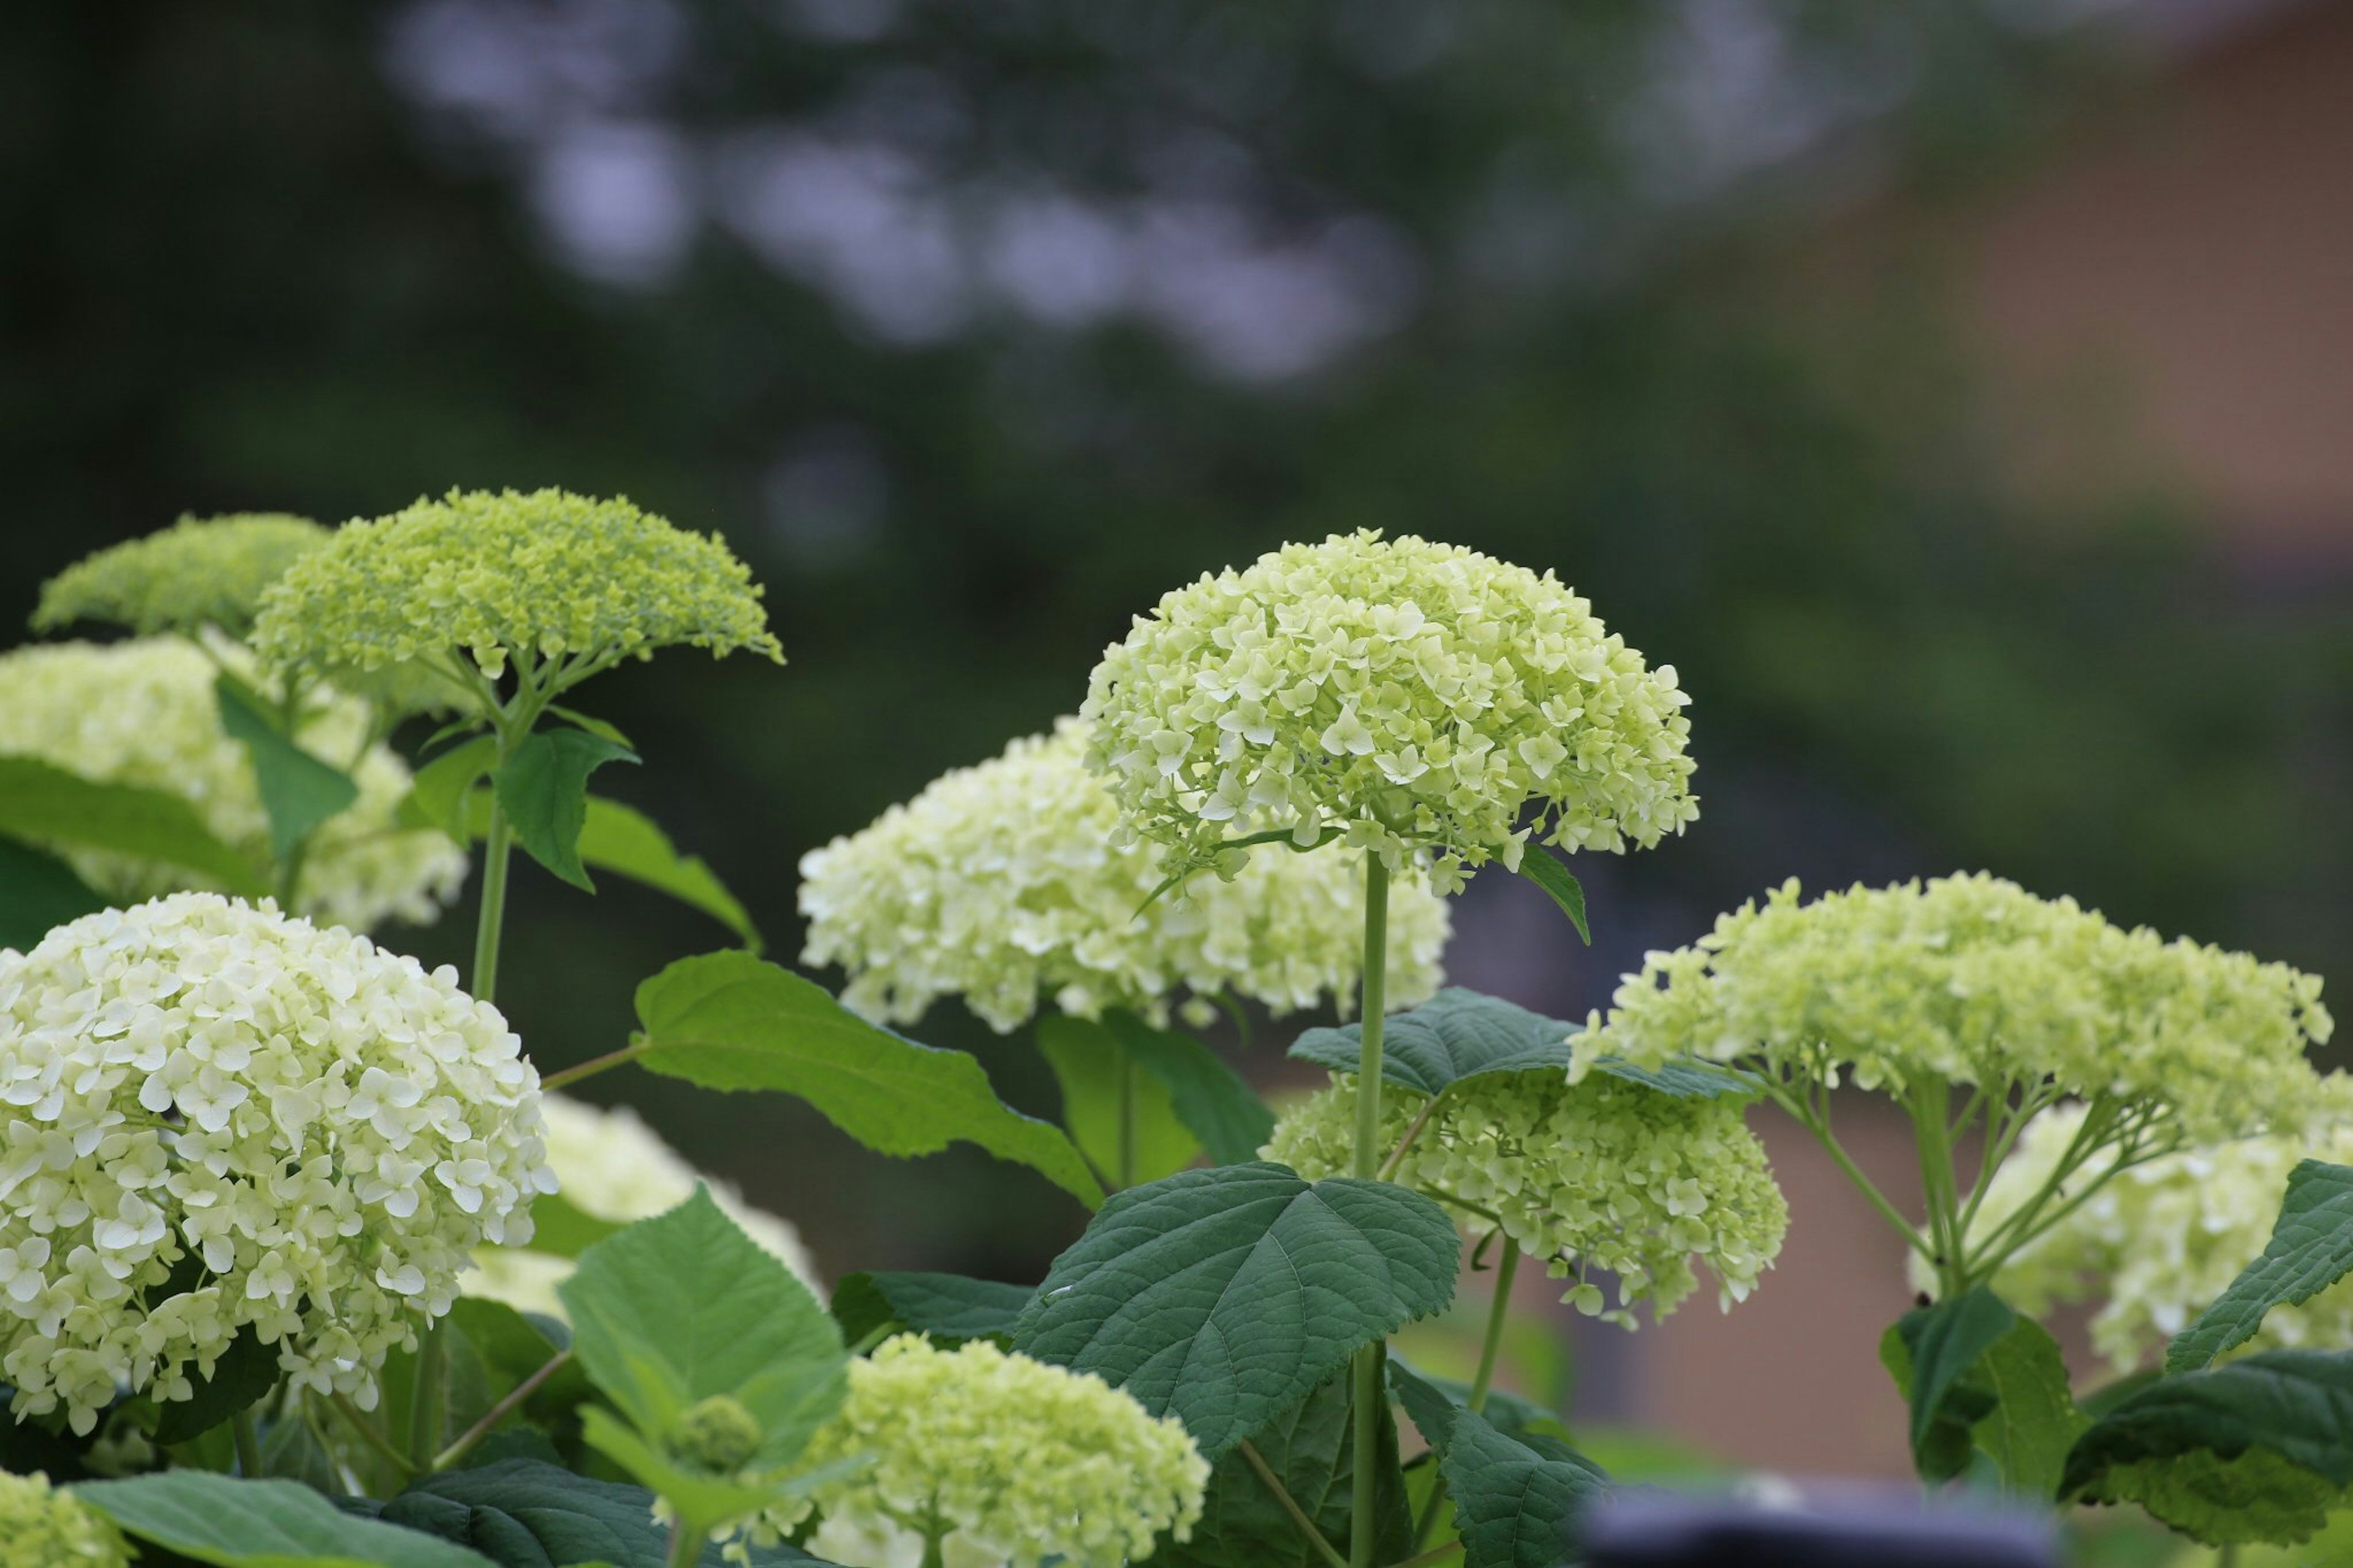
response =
{"points": [[948, 1306], [509, 1348], [2297, 1404], [1210, 1099], [594, 725], [1537, 865], [1517, 1501], [440, 792], [47, 805], [1088, 1061], [233, 1523], [1940, 1346], [544, 789], [522, 1513], [1222, 1296], [245, 1372], [1310, 1448], [684, 1306], [1459, 1035], [1507, 1411], [2311, 1248], [299, 791], [38, 893], [2034, 1421], [729, 1021]]}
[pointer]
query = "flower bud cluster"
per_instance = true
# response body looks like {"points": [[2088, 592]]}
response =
{"points": [[217, 1120], [200, 574], [44, 1528]]}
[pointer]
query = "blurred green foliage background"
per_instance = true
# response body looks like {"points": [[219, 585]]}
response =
{"points": [[976, 326]]}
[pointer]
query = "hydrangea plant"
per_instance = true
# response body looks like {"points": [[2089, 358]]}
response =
{"points": [[304, 1261]]}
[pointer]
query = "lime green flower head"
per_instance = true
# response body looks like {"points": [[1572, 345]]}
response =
{"points": [[47, 1529], [1022, 1462], [2157, 1244], [1007, 884], [1601, 1175], [563, 583], [1414, 698], [142, 713], [1972, 981], [198, 573]]}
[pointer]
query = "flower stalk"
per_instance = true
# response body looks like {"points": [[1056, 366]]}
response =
{"points": [[1367, 1406]]}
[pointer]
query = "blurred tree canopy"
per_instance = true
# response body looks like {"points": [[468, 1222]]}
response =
{"points": [[976, 326]]}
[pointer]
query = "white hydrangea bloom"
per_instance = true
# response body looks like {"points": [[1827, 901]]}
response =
{"points": [[1007, 884], [214, 1117], [613, 1167], [2159, 1242], [142, 713]]}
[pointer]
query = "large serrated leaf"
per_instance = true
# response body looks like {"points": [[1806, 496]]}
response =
{"points": [[684, 1306], [1222, 1296], [298, 790], [544, 789], [2311, 1248], [731, 1021], [950, 1308], [233, 1523], [1517, 1501], [46, 805], [1459, 1035], [1309, 1448], [522, 1513]]}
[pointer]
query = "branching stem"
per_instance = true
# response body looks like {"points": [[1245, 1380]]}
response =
{"points": [[1315, 1537]]}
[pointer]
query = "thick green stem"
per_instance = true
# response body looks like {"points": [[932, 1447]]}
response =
{"points": [[248, 1443], [1505, 1267], [1363, 1513], [685, 1543], [498, 847], [1126, 1171], [428, 1408]]}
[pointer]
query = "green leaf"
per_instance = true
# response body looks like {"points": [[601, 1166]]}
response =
{"points": [[1087, 1059], [683, 1306], [522, 1513], [1213, 1100], [233, 1523], [2254, 1451], [1507, 1411], [1517, 1501], [48, 805], [950, 1308], [298, 792], [1939, 1347], [561, 1228], [440, 791], [37, 894], [1222, 1296], [613, 837], [729, 1021], [595, 726], [1460, 1035], [245, 1372], [1310, 1448], [2311, 1248], [508, 1348], [705, 1502], [1537, 866], [2034, 1421], [544, 789]]}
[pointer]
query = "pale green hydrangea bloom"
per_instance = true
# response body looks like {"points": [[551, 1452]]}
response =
{"points": [[143, 712], [198, 574], [611, 1166], [2156, 1244], [1415, 698], [43, 1528], [1022, 1462], [1604, 1174], [214, 1117], [477, 578], [1970, 980], [1006, 884]]}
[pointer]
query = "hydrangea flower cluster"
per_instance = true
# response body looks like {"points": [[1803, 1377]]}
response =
{"points": [[1972, 980], [214, 1119], [1605, 1175], [549, 575], [1006, 884], [199, 574], [143, 712], [1413, 696], [1021, 1463], [43, 1528], [611, 1166], [2159, 1242]]}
